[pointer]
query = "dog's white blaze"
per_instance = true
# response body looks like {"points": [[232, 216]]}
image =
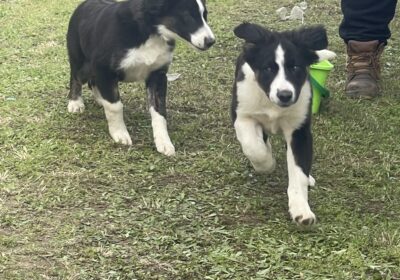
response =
{"points": [[139, 62], [160, 133], [198, 37], [298, 188], [115, 118], [76, 106], [280, 82]]}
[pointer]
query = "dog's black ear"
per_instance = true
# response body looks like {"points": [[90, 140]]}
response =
{"points": [[313, 38], [251, 33]]}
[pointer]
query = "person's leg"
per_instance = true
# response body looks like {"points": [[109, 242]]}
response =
{"points": [[366, 20], [365, 30]]}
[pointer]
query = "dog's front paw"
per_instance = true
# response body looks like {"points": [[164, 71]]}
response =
{"points": [[76, 106], [264, 167], [121, 135], [302, 214], [164, 147]]}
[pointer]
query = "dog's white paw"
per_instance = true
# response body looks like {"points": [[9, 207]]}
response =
{"points": [[302, 214], [160, 133], [76, 106], [121, 135], [164, 147], [264, 167], [311, 181]]}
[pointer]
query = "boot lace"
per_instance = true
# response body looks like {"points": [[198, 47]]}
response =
{"points": [[366, 63]]}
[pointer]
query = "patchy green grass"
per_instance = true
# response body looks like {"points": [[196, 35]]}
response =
{"points": [[73, 205]]}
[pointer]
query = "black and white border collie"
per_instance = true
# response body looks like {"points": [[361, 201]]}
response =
{"points": [[271, 94], [133, 40]]}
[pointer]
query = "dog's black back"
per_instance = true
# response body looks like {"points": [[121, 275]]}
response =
{"points": [[100, 32]]}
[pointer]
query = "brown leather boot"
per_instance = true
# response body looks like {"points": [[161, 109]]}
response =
{"points": [[363, 69]]}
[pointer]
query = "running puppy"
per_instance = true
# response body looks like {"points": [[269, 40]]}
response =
{"points": [[272, 94], [110, 42]]}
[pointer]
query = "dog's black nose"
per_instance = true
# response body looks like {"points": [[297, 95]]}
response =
{"points": [[285, 96], [208, 42]]}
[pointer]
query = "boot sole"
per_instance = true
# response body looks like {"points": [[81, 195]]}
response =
{"points": [[367, 95]]}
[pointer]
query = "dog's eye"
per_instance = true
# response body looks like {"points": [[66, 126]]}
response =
{"points": [[268, 70], [294, 68]]}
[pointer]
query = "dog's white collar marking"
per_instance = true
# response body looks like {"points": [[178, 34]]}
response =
{"points": [[139, 62], [167, 34]]}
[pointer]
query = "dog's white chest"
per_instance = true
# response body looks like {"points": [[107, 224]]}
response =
{"points": [[139, 62]]}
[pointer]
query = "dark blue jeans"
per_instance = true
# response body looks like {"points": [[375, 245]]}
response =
{"points": [[366, 20]]}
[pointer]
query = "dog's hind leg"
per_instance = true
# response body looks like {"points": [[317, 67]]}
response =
{"points": [[107, 94], [255, 144], [299, 158], [76, 61], [156, 85], [75, 100]]}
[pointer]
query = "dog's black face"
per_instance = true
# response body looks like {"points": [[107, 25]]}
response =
{"points": [[186, 19], [280, 60]]}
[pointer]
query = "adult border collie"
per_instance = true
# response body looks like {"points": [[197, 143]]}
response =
{"points": [[271, 94], [110, 42]]}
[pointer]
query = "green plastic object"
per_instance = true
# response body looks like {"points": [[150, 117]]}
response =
{"points": [[318, 75]]}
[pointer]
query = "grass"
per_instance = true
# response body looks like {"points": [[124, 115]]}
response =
{"points": [[74, 205]]}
